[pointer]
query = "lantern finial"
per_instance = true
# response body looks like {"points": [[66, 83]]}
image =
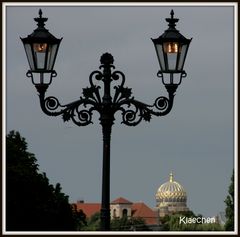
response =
{"points": [[40, 20], [172, 21], [40, 13]]}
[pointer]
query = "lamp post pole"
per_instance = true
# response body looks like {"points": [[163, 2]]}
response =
{"points": [[106, 120], [105, 207], [41, 49]]}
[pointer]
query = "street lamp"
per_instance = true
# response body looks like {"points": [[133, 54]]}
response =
{"points": [[171, 48], [41, 49]]}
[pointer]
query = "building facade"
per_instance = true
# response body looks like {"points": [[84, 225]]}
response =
{"points": [[121, 207]]}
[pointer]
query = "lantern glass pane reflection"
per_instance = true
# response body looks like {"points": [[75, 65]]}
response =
{"points": [[52, 53], [159, 50], [28, 50], [182, 56]]}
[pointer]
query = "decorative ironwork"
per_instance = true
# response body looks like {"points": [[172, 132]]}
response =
{"points": [[80, 111]]}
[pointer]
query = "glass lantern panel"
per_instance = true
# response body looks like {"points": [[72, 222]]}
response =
{"points": [[51, 56], [160, 56], [182, 57], [172, 61], [29, 54], [40, 50]]}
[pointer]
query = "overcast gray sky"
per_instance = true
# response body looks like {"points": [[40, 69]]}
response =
{"points": [[195, 140]]}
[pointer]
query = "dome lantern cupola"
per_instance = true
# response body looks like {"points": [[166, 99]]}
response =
{"points": [[171, 177]]}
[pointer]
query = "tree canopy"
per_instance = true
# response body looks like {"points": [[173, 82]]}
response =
{"points": [[172, 223], [128, 224], [229, 225], [32, 203], [117, 224]]}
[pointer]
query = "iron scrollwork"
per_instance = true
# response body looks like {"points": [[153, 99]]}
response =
{"points": [[81, 110]]}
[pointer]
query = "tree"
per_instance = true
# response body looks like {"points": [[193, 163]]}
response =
{"points": [[117, 224], [138, 224], [229, 225], [128, 224], [79, 217], [120, 224], [32, 203], [172, 223], [93, 223]]}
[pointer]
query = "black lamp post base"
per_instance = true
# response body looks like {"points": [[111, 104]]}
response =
{"points": [[105, 219]]}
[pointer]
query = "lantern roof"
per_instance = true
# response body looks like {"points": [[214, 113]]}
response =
{"points": [[171, 34], [41, 34]]}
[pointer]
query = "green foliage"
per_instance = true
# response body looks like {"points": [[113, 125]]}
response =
{"points": [[117, 224], [210, 227], [80, 218], [32, 203], [165, 223], [120, 224], [128, 224], [229, 225], [93, 223], [172, 223]]}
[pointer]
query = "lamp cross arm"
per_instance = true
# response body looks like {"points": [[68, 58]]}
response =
{"points": [[79, 111], [134, 111]]}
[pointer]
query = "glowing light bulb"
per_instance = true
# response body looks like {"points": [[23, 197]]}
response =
{"points": [[40, 48], [175, 48], [171, 48]]}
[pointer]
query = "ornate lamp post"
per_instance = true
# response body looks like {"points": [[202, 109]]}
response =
{"points": [[41, 49]]}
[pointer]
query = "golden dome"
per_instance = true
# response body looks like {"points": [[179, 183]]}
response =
{"points": [[171, 191]]}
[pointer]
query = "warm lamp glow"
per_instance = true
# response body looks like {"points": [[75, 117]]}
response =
{"points": [[171, 47], [40, 48]]}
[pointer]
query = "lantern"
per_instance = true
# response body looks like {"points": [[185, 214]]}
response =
{"points": [[41, 48], [171, 48]]}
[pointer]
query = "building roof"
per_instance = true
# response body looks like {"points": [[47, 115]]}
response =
{"points": [[139, 209], [88, 208], [142, 210], [121, 200]]}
